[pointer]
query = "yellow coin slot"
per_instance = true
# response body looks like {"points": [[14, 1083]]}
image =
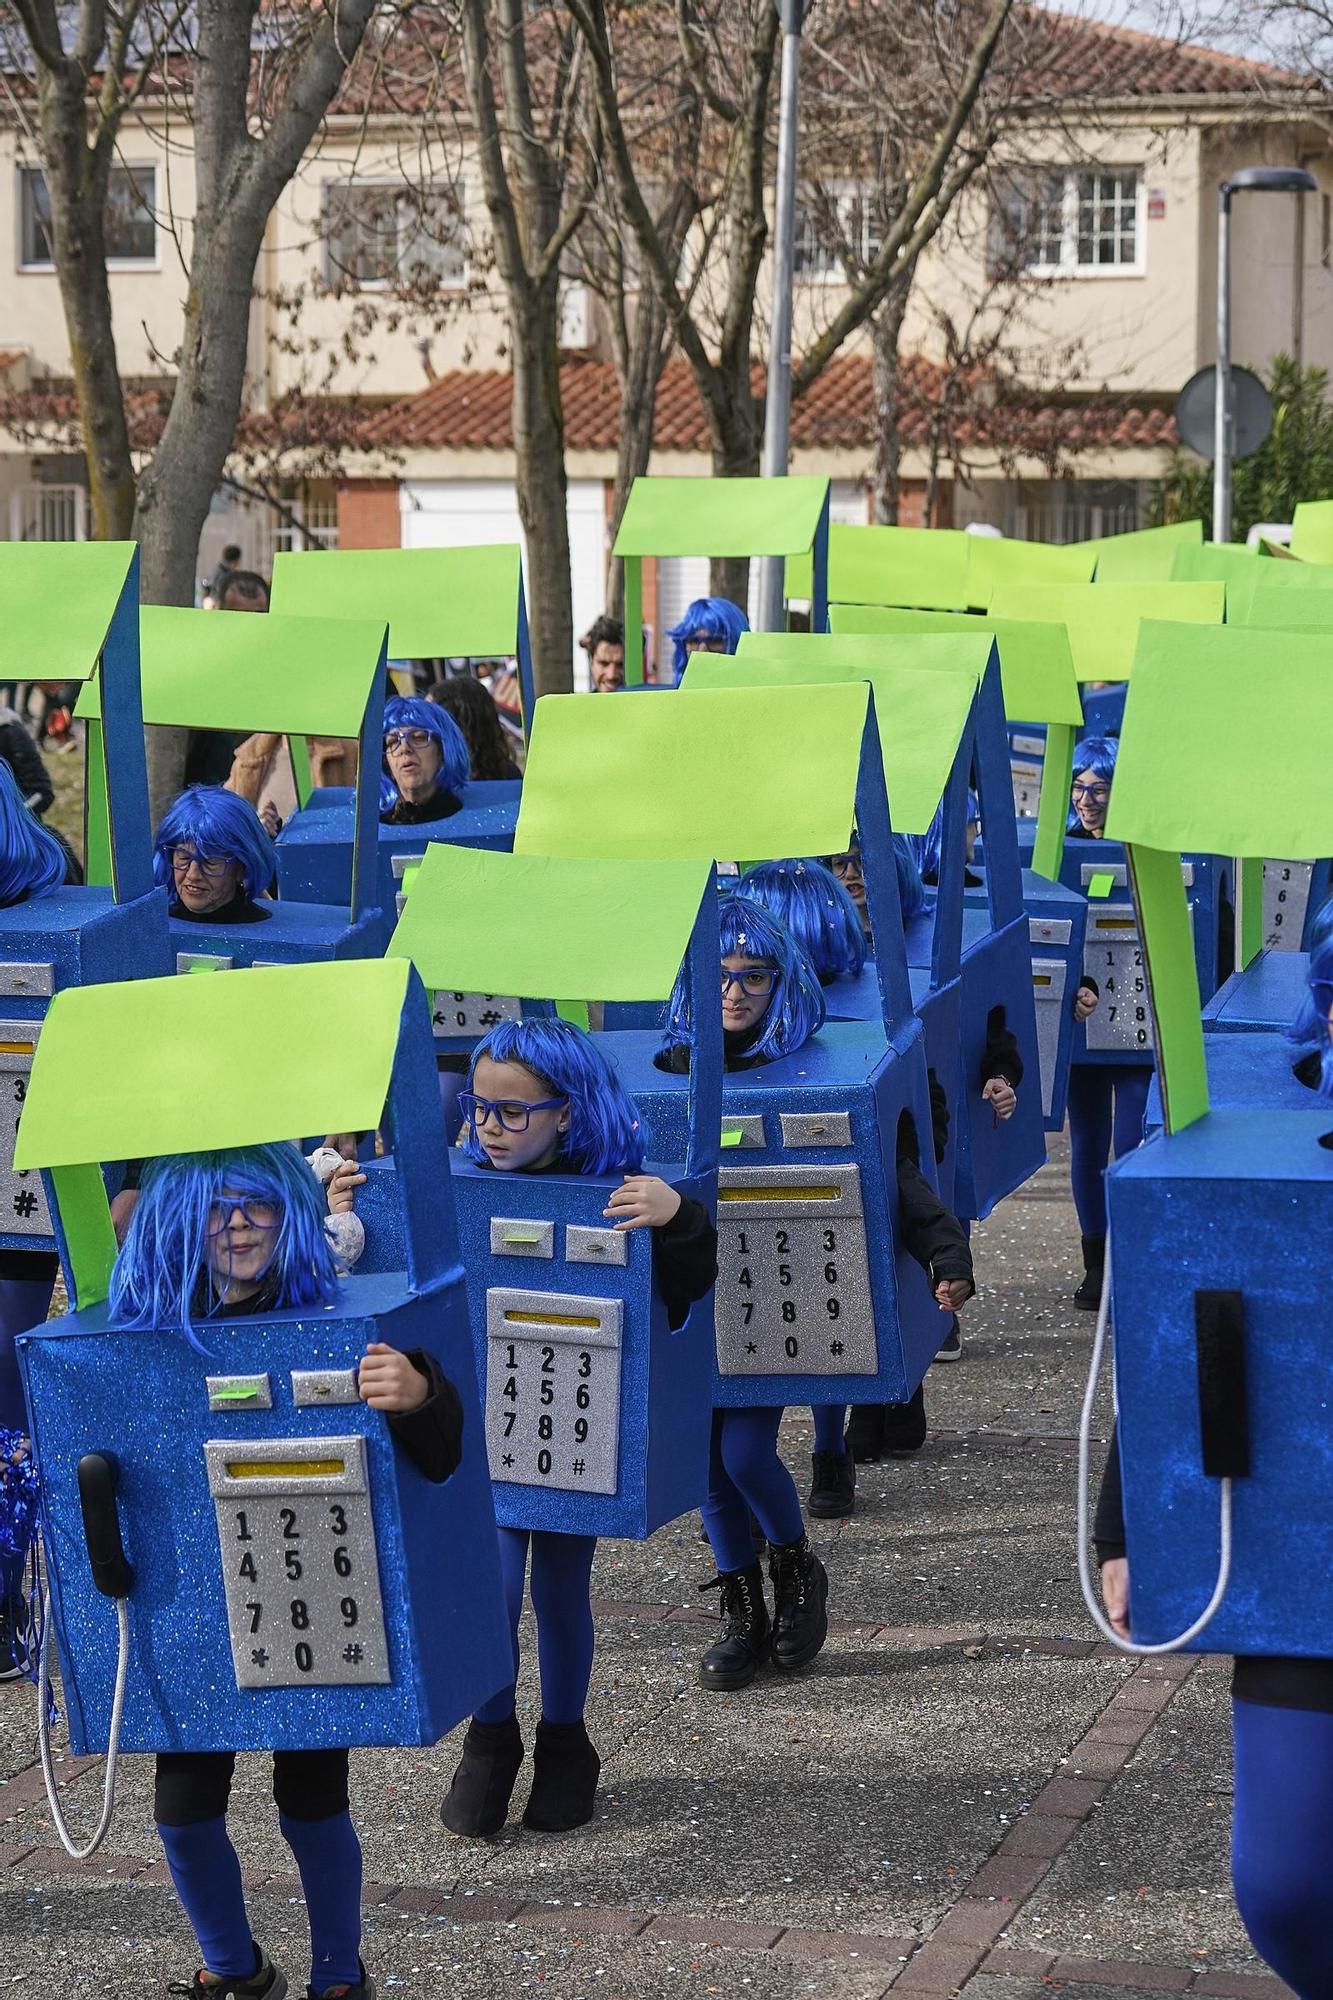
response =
{"points": [[1117, 923], [286, 1468], [549, 1319], [16, 1048], [780, 1194], [1041, 979]]}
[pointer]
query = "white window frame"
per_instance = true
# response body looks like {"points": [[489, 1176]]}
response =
{"points": [[844, 193], [333, 277], [1068, 265], [135, 168]]}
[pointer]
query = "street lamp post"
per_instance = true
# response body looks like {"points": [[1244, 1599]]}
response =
{"points": [[1250, 180], [777, 401]]}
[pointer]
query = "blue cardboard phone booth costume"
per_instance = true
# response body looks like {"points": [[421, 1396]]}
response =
{"points": [[597, 1415], [941, 721], [1217, 1273], [837, 1311], [295, 677], [67, 606], [439, 603], [224, 1460]]}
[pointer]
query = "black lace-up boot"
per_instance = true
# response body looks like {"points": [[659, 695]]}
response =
{"points": [[733, 1660], [800, 1601]]}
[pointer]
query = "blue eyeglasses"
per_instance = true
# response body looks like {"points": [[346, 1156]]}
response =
{"points": [[259, 1214], [512, 1112], [1096, 795], [407, 739], [756, 980]]}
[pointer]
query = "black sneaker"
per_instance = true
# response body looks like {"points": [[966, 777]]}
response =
{"points": [[905, 1427], [832, 1485], [364, 1989], [733, 1660], [865, 1432], [800, 1601], [15, 1632], [266, 1982], [477, 1801], [1089, 1293], [565, 1770], [951, 1347]]}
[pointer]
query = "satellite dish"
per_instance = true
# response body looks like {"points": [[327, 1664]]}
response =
{"points": [[1251, 405]]}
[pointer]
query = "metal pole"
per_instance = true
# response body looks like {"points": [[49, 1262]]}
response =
{"points": [[777, 403], [1222, 416]]}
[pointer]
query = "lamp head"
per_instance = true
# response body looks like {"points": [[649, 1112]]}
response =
{"points": [[1270, 180]]}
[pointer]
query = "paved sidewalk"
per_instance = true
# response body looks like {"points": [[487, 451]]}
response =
{"points": [[969, 1793]]}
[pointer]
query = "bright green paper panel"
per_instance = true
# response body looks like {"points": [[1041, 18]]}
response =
{"points": [[436, 602], [57, 600], [153, 1066], [1168, 939], [740, 772], [1289, 610], [222, 670], [721, 517], [1271, 574], [924, 691], [993, 560], [1036, 665], [1212, 562], [1253, 707], [1146, 555], [549, 929], [1103, 619], [877, 565], [1312, 531]]}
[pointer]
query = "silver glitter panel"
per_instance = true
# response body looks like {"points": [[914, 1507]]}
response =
{"points": [[1025, 776], [816, 1128], [1113, 956], [299, 1561], [1049, 981], [238, 1392], [30, 982], [203, 961], [472, 1013], [793, 1283], [1050, 930], [23, 1209], [584, 1245], [515, 1236], [553, 1390], [1286, 899], [749, 1130], [313, 1388]]}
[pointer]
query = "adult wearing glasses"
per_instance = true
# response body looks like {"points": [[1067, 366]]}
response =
{"points": [[214, 857], [425, 763], [1107, 1101]]}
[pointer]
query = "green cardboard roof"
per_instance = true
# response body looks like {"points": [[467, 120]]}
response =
{"points": [[879, 565], [1288, 610], [1213, 562], [924, 690], [550, 929], [739, 772], [1103, 618], [437, 602], [993, 560], [1145, 555], [721, 517], [151, 1066], [57, 600], [1253, 708], [1036, 665], [228, 670], [1312, 531]]}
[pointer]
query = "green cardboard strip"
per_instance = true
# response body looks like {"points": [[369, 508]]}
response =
{"points": [[1103, 619], [721, 517], [176, 1084], [924, 689], [996, 559], [479, 922], [1144, 556], [1173, 986], [1250, 911], [736, 771], [1312, 531], [1101, 885], [57, 600], [1286, 610], [1057, 771], [438, 602], [1036, 665], [876, 565], [90, 1240], [218, 670], [1253, 708]]}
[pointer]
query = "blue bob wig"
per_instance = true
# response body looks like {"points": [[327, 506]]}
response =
{"points": [[911, 889], [220, 826], [161, 1277], [1096, 754], [32, 861], [707, 618], [410, 712], [1309, 1029], [817, 910], [606, 1134], [926, 847], [796, 1007]]}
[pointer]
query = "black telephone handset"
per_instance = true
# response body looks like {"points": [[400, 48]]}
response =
{"points": [[98, 1477]]}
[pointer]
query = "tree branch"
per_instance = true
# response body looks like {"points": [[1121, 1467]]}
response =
{"points": [[721, 106]]}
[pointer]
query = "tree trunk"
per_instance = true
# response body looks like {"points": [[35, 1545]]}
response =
{"points": [[539, 457], [638, 409], [734, 422], [886, 390]]}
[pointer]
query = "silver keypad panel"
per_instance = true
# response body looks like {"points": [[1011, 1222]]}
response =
{"points": [[23, 1209], [793, 1285], [1286, 899], [553, 1389], [1049, 986]]}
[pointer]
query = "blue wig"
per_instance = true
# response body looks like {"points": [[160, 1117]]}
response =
{"points": [[911, 890], [161, 1278], [817, 910], [410, 712], [1309, 1029], [32, 861], [219, 826], [707, 618], [796, 1007], [926, 847], [1096, 754], [606, 1134]]}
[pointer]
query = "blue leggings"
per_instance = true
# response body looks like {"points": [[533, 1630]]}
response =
{"points": [[1282, 1839], [562, 1601], [745, 1475], [1106, 1107]]}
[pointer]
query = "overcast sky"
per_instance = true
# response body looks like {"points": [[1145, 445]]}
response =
{"points": [[1199, 22]]}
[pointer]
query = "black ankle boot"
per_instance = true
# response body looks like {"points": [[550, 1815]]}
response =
{"points": [[865, 1432], [565, 1770], [800, 1601], [733, 1660], [832, 1485], [477, 1802], [1089, 1293], [905, 1426]]}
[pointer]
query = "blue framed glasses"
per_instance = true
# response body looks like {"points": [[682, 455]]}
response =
{"points": [[183, 859], [756, 980], [512, 1112], [259, 1214], [1096, 795], [407, 739]]}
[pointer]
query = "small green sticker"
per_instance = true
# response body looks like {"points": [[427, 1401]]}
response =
{"points": [[409, 876], [235, 1392], [523, 1235], [1101, 885], [204, 965], [732, 1135]]}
